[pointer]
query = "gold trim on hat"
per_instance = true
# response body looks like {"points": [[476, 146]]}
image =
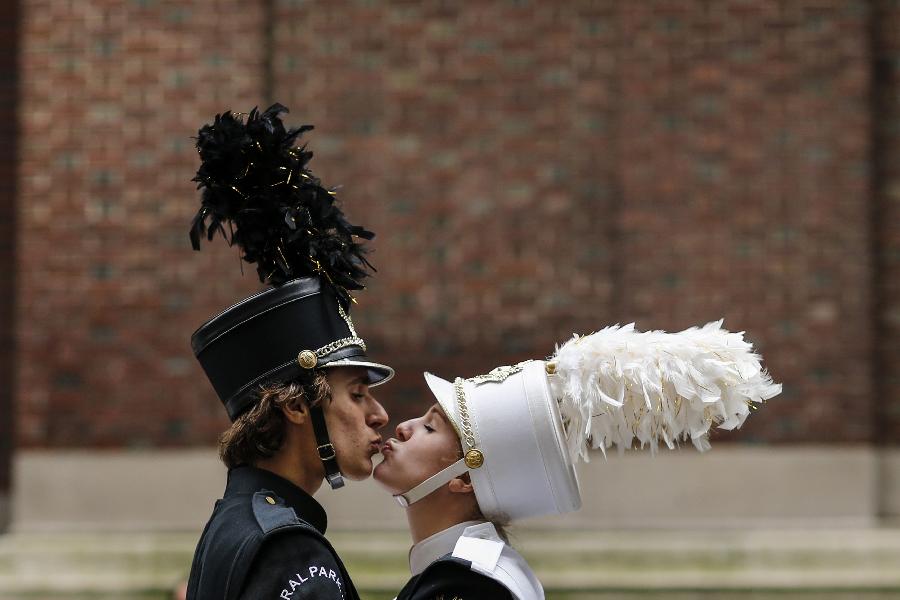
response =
{"points": [[338, 344], [497, 375], [474, 457], [307, 359], [353, 340], [348, 321]]}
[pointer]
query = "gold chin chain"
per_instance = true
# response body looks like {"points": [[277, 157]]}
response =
{"points": [[474, 457]]}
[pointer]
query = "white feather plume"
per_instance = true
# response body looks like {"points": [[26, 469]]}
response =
{"points": [[619, 385]]}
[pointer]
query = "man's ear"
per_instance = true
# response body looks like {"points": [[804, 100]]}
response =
{"points": [[296, 413], [461, 486]]}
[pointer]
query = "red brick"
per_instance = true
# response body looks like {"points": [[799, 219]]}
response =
{"points": [[531, 169]]}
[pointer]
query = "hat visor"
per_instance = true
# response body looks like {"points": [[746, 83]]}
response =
{"points": [[446, 396], [378, 373]]}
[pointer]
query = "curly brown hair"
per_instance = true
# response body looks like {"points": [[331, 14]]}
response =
{"points": [[259, 432]]}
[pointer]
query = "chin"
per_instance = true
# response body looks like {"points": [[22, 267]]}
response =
{"points": [[378, 473], [358, 472], [382, 475]]}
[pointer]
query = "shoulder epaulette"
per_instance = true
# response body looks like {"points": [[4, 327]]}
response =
{"points": [[482, 553], [271, 513]]}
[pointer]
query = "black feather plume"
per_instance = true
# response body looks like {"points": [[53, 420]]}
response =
{"points": [[255, 180]]}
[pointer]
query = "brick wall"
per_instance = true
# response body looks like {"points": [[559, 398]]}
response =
{"points": [[9, 29], [540, 169], [886, 153], [109, 288], [532, 169]]}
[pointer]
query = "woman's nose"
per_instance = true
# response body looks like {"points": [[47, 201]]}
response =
{"points": [[403, 430]]}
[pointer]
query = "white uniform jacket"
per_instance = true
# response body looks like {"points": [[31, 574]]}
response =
{"points": [[479, 543]]}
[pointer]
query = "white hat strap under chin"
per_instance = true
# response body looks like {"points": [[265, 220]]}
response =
{"points": [[431, 484]]}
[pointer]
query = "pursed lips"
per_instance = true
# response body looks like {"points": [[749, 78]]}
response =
{"points": [[387, 447]]}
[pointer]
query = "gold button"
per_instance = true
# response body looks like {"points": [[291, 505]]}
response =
{"points": [[270, 499], [474, 458], [307, 359], [551, 368]]}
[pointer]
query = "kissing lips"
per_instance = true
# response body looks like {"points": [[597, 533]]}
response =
{"points": [[375, 447], [387, 448]]}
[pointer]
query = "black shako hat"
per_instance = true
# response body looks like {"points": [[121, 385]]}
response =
{"points": [[258, 193], [279, 335]]}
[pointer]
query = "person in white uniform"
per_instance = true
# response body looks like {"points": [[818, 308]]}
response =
{"points": [[501, 447]]}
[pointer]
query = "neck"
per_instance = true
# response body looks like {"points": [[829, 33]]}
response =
{"points": [[295, 462], [437, 512], [300, 478]]}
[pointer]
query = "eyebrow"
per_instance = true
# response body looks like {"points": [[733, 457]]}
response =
{"points": [[436, 409], [359, 379]]}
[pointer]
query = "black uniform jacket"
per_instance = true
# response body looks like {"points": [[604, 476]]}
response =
{"points": [[448, 578], [265, 540]]}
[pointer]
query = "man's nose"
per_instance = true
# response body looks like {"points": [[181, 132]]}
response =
{"points": [[378, 417]]}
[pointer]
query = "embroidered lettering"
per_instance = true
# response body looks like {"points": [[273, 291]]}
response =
{"points": [[314, 571]]}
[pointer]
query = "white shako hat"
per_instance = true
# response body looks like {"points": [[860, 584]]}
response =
{"points": [[513, 428], [523, 426]]}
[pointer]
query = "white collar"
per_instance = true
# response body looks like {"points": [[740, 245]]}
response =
{"points": [[435, 546]]}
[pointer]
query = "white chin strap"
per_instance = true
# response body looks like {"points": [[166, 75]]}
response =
{"points": [[434, 482]]}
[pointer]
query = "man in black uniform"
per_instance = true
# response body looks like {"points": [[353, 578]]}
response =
{"points": [[287, 364]]}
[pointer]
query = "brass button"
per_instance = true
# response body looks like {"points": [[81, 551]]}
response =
{"points": [[550, 368], [474, 458], [307, 359], [270, 499]]}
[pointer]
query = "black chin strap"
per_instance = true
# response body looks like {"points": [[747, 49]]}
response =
{"points": [[326, 449]]}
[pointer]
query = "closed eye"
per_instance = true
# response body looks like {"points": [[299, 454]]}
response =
{"points": [[429, 428]]}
